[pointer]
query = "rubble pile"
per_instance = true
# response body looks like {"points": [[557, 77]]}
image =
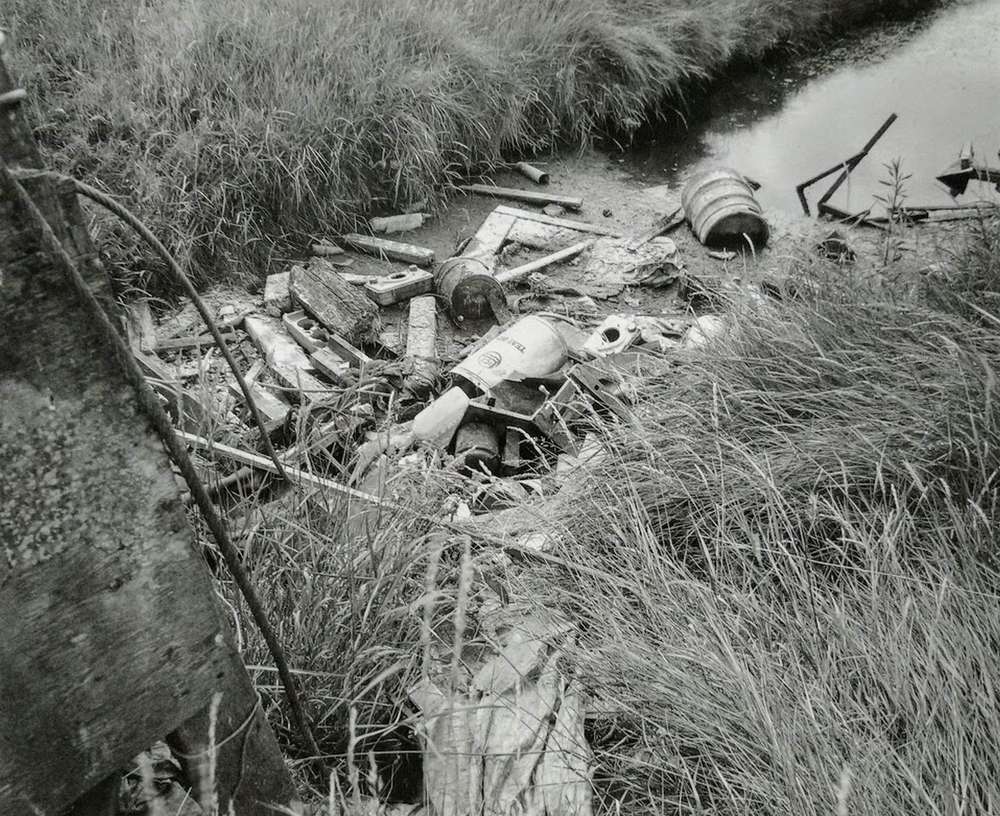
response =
{"points": [[499, 366]]}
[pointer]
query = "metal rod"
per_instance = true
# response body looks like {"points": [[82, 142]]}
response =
{"points": [[859, 157], [801, 188]]}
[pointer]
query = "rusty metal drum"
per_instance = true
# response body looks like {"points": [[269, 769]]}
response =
{"points": [[722, 210], [468, 288]]}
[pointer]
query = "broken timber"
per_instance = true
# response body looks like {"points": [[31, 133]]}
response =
{"points": [[392, 250], [335, 303], [541, 218], [512, 275], [285, 358], [526, 196]]}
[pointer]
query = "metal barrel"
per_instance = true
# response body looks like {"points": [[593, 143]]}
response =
{"points": [[722, 211], [468, 287]]}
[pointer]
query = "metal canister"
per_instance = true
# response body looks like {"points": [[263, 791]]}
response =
{"points": [[722, 210], [530, 348], [468, 287], [478, 446]]}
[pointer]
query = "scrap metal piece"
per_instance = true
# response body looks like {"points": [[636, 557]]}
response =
{"points": [[477, 444], [536, 175], [857, 159], [400, 286], [517, 405], [468, 287], [615, 334]]}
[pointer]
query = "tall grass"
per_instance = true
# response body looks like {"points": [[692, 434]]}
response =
{"points": [[240, 128], [784, 577]]}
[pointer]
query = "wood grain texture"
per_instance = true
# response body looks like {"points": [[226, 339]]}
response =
{"points": [[393, 250], [336, 304], [112, 635]]}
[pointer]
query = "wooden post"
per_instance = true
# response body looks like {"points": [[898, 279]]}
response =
{"points": [[112, 636]]}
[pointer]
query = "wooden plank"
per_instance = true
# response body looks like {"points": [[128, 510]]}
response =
{"points": [[526, 196], [489, 238], [193, 341], [272, 407], [284, 357], [331, 364], [277, 299], [421, 345], [580, 226], [391, 250], [244, 773], [518, 272], [336, 304], [263, 463], [112, 635], [398, 223]]}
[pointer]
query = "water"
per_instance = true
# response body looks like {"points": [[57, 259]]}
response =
{"points": [[943, 81]]}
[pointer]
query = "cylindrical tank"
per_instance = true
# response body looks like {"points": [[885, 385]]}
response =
{"points": [[721, 209], [467, 286], [531, 347], [478, 446]]}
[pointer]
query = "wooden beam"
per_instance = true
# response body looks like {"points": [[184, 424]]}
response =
{"points": [[391, 250], [580, 226], [336, 304], [264, 463], [526, 196], [518, 272]]}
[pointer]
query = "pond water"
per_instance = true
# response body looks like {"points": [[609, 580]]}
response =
{"points": [[781, 127]]}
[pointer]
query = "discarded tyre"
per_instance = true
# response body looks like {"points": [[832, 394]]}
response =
{"points": [[722, 210]]}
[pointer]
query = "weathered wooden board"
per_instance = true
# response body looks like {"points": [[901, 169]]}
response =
{"points": [[580, 226], [489, 238], [393, 250], [285, 358], [334, 302], [527, 196], [111, 634]]}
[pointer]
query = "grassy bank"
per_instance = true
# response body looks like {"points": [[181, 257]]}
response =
{"points": [[240, 128], [784, 578]]}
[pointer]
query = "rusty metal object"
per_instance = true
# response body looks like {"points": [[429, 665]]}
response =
{"points": [[722, 210], [468, 288], [477, 444], [521, 406], [536, 175]]}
